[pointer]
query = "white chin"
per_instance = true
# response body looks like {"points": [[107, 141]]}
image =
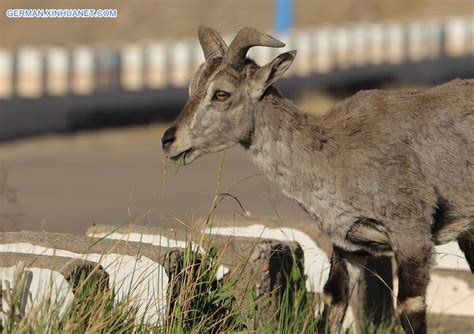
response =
{"points": [[191, 156]]}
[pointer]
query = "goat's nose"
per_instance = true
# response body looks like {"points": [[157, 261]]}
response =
{"points": [[168, 137]]}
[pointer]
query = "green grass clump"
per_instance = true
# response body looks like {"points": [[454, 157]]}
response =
{"points": [[197, 302]]}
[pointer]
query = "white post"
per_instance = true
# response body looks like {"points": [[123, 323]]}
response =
{"points": [[155, 65], [341, 44], [57, 66], [83, 70], [303, 59], [180, 63], [322, 61], [376, 44], [395, 48], [6, 74], [29, 72], [359, 44], [132, 67], [470, 33], [456, 37]]}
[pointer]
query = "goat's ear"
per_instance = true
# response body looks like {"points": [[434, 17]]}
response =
{"points": [[271, 72]]}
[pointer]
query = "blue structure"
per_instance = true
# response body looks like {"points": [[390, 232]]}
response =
{"points": [[283, 15]]}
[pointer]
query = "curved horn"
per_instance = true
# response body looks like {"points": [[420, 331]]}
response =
{"points": [[244, 40], [211, 42]]}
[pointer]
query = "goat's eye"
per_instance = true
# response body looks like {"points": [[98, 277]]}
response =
{"points": [[220, 95]]}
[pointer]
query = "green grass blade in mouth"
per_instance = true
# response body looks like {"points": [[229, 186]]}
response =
{"points": [[180, 160]]}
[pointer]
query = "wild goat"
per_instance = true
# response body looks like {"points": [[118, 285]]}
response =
{"points": [[381, 173]]}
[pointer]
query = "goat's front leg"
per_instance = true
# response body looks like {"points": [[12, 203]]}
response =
{"points": [[337, 290], [414, 258]]}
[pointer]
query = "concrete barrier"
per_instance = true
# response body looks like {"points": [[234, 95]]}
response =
{"points": [[260, 263], [139, 264], [73, 270], [138, 259], [239, 236], [450, 291], [35, 284], [134, 269]]}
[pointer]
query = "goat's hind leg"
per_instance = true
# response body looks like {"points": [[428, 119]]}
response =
{"points": [[414, 263], [337, 291]]}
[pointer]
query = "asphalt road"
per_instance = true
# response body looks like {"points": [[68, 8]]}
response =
{"points": [[66, 183]]}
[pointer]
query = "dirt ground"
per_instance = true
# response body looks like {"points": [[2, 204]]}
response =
{"points": [[65, 183], [159, 19]]}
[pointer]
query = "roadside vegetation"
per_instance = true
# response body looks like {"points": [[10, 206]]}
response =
{"points": [[197, 302]]}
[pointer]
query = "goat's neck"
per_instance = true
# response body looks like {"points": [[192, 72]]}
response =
{"points": [[284, 141]]}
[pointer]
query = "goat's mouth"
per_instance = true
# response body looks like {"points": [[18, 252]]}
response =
{"points": [[181, 156]]}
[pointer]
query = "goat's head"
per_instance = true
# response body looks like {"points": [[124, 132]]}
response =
{"points": [[222, 95]]}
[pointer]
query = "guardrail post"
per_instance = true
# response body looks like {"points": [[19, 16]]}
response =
{"points": [[179, 61], [6, 75], [82, 70], [28, 72], [132, 71], [155, 65], [57, 69]]}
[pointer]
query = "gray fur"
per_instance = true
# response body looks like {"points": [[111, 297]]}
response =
{"points": [[403, 161], [379, 155]]}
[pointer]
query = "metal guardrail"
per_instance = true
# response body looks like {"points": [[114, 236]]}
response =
{"points": [[33, 72]]}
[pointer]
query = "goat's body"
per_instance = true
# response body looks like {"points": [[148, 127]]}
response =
{"points": [[381, 173], [404, 160]]}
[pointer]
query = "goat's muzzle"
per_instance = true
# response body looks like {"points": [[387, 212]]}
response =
{"points": [[168, 137]]}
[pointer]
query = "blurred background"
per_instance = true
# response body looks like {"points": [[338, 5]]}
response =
{"points": [[84, 102]]}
